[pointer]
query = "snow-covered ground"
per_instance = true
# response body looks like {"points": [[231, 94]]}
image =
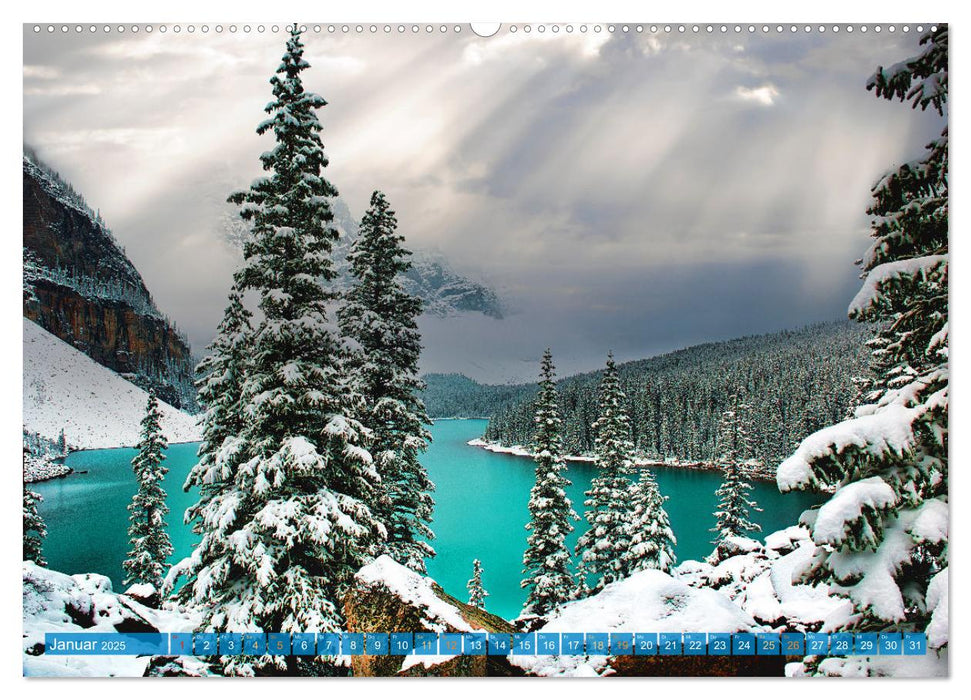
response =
{"points": [[56, 602], [648, 600], [96, 408]]}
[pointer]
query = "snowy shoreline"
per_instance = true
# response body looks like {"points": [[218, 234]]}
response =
{"points": [[436, 420], [520, 451], [37, 469]]}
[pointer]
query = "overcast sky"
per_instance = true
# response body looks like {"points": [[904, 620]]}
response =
{"points": [[634, 192]]}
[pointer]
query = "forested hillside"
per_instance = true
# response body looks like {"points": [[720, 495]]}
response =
{"points": [[796, 382], [457, 396]]}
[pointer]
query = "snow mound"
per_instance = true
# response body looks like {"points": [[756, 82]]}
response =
{"points": [[56, 602], [413, 589], [648, 600], [96, 408], [760, 581]]}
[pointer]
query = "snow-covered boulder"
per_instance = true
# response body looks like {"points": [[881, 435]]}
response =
{"points": [[144, 593], [56, 602], [649, 600], [732, 547], [387, 596], [759, 579]]}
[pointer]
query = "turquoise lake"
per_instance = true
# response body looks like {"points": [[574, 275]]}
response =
{"points": [[481, 511]]}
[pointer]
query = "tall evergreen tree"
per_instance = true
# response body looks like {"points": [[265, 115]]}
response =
{"points": [[477, 594], [221, 374], [150, 544], [382, 318], [603, 547], [735, 447], [220, 388], [882, 538], [279, 548], [652, 539], [34, 528], [546, 563]]}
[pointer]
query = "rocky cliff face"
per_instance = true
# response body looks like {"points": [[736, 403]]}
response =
{"points": [[80, 286]]}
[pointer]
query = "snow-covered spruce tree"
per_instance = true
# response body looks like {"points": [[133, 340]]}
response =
{"points": [[221, 375], [652, 539], [546, 563], [603, 547], [150, 545], [34, 528], [279, 548], [477, 594], [220, 387], [381, 318], [735, 448], [882, 538]]}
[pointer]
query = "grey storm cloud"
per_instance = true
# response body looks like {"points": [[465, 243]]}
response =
{"points": [[634, 191]]}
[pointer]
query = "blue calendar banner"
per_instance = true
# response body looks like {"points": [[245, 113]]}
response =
{"points": [[669, 643], [278, 643], [548, 643], [621, 643], [719, 644], [790, 644], [376, 643], [500, 644], [107, 644], [695, 643], [304, 644], [476, 644], [598, 644], [891, 643], [205, 644], [328, 644], [793, 644], [817, 644], [572, 644], [180, 644], [841, 644], [645, 644], [352, 643], [866, 644], [402, 643], [743, 644], [450, 644], [915, 643], [767, 644], [426, 643]]}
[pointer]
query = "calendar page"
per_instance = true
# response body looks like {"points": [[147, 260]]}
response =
{"points": [[513, 349]]}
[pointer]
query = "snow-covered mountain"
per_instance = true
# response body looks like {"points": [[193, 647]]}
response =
{"points": [[95, 407], [432, 278], [80, 285]]}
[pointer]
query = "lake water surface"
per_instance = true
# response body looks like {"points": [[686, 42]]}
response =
{"points": [[481, 511]]}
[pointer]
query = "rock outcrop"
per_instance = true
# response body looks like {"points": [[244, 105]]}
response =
{"points": [[388, 597]]}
